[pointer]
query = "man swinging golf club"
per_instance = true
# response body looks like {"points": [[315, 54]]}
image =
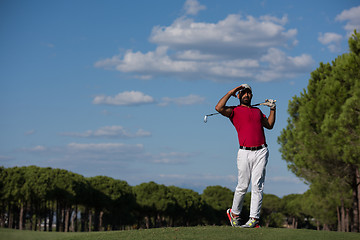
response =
{"points": [[253, 154]]}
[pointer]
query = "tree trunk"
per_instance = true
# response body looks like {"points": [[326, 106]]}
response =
{"points": [[158, 221], [338, 219], [96, 219], [293, 223], [347, 220], [74, 220], [342, 216], [39, 223], [2, 216], [355, 202], [147, 220], [67, 219], [325, 227], [58, 216], [51, 216], [21, 217], [84, 220], [62, 219], [45, 223], [90, 220], [101, 214], [46, 212], [357, 172], [10, 217]]}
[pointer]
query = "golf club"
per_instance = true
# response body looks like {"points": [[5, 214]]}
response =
{"points": [[212, 114], [206, 116]]}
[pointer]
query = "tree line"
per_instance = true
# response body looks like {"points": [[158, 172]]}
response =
{"points": [[321, 142], [46, 199]]}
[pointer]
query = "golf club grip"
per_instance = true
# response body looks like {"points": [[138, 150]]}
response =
{"points": [[257, 104]]}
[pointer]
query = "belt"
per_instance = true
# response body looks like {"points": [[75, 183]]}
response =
{"points": [[253, 148]]}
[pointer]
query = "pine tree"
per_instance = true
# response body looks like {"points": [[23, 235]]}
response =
{"points": [[321, 141]]}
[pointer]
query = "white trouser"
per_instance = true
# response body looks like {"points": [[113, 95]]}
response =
{"points": [[251, 165]]}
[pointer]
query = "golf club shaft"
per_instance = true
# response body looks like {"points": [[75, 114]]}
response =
{"points": [[219, 113], [213, 114]]}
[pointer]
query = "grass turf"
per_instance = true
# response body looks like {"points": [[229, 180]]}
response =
{"points": [[208, 233]]}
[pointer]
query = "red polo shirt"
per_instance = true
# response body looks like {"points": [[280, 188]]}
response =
{"points": [[247, 121]]}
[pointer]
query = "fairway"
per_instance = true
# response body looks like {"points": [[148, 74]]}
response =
{"points": [[208, 232]]}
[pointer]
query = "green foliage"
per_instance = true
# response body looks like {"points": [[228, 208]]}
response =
{"points": [[354, 43], [271, 210], [217, 200], [104, 203], [114, 198], [321, 142]]}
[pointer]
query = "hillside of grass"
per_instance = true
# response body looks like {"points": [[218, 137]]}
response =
{"points": [[208, 233]]}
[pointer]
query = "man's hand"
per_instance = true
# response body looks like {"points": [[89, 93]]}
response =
{"points": [[270, 103], [221, 105], [234, 91], [270, 121]]}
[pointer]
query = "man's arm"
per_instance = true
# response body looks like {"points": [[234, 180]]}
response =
{"points": [[221, 106], [270, 121]]}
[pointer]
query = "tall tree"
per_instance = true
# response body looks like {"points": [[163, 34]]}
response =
{"points": [[271, 211], [322, 136], [153, 200], [217, 200]]}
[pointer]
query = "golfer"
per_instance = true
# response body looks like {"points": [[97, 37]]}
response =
{"points": [[253, 153]]}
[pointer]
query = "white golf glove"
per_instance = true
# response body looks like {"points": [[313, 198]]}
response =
{"points": [[270, 103]]}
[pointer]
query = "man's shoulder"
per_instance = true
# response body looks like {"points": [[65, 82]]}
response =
{"points": [[246, 110], [233, 107], [246, 107]]}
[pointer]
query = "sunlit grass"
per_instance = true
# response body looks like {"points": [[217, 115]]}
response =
{"points": [[208, 233]]}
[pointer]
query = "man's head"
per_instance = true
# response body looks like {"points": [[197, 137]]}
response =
{"points": [[245, 95]]}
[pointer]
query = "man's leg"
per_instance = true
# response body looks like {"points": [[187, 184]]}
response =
{"points": [[257, 181], [243, 181]]}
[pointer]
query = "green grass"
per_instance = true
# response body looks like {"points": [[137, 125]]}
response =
{"points": [[208, 233]]}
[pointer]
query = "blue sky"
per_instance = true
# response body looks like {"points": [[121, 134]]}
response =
{"points": [[120, 88]]}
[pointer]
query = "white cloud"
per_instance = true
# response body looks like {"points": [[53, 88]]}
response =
{"points": [[124, 99], [172, 158], [194, 55], [108, 132], [197, 182], [351, 15], [192, 7], [80, 153], [30, 132], [188, 100], [104, 147], [284, 179], [281, 21], [332, 40], [104, 153], [279, 60], [280, 66], [233, 48], [329, 37], [35, 149], [5, 158], [205, 177], [234, 32]]}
